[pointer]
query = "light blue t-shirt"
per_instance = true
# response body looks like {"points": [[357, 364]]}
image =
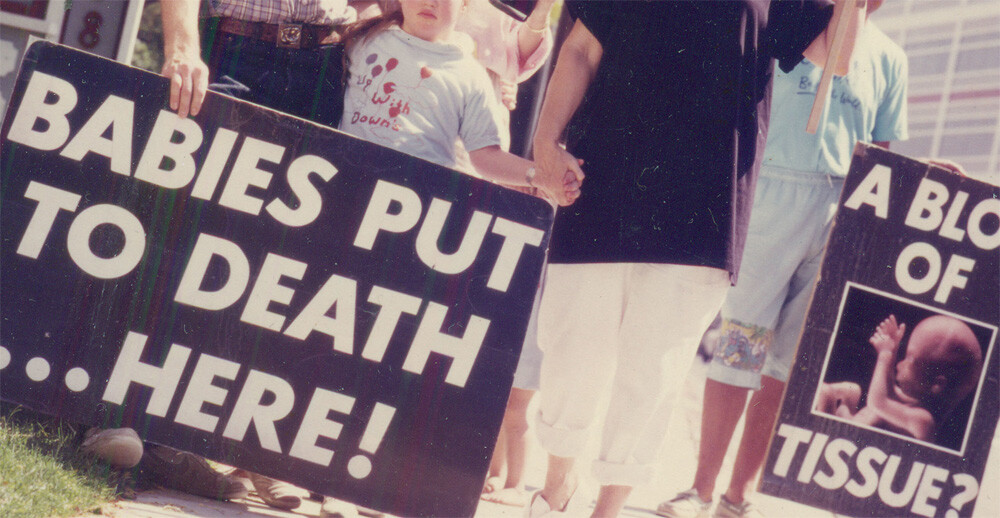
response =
{"points": [[868, 105], [418, 96]]}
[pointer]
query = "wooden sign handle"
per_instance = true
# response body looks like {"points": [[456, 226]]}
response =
{"points": [[843, 13]]}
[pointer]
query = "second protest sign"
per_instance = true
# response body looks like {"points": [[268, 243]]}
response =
{"points": [[893, 401]]}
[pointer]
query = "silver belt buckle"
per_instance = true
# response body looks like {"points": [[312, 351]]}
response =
{"points": [[289, 35]]}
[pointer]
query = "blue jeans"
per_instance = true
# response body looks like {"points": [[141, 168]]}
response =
{"points": [[307, 83]]}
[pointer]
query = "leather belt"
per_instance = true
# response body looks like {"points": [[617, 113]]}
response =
{"points": [[284, 35]]}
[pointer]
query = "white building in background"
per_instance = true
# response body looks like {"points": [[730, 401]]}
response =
{"points": [[954, 99], [103, 27]]}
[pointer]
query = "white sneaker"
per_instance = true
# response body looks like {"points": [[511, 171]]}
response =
{"points": [[727, 509], [119, 447], [687, 504]]}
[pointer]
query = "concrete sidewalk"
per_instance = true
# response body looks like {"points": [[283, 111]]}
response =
{"points": [[172, 504], [678, 461]]}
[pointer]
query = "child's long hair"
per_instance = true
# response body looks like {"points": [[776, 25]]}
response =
{"points": [[361, 30]]}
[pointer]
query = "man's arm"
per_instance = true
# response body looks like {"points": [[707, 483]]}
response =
{"points": [[182, 56], [575, 69]]}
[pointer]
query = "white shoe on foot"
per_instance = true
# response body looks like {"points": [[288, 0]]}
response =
{"points": [[538, 506], [687, 504], [744, 509]]}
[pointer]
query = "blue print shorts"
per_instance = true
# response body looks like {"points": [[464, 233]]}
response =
{"points": [[763, 314]]}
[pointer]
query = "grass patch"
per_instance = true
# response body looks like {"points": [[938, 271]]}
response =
{"points": [[42, 473]]}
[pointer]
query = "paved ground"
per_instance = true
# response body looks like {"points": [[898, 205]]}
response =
{"points": [[679, 455]]}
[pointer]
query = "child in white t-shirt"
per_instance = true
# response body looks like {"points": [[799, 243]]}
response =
{"points": [[414, 86]]}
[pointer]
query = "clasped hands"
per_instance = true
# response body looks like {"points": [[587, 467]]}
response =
{"points": [[559, 176]]}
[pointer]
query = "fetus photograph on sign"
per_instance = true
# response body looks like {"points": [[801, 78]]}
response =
{"points": [[904, 369]]}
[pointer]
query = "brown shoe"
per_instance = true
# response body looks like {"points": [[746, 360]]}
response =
{"points": [[120, 447], [275, 493], [189, 473]]}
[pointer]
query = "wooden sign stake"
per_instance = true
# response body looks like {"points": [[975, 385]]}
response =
{"points": [[843, 13]]}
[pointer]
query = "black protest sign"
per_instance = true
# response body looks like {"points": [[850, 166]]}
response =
{"points": [[258, 289], [893, 400]]}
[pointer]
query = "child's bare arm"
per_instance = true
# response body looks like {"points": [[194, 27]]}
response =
{"points": [[497, 165], [500, 166]]}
